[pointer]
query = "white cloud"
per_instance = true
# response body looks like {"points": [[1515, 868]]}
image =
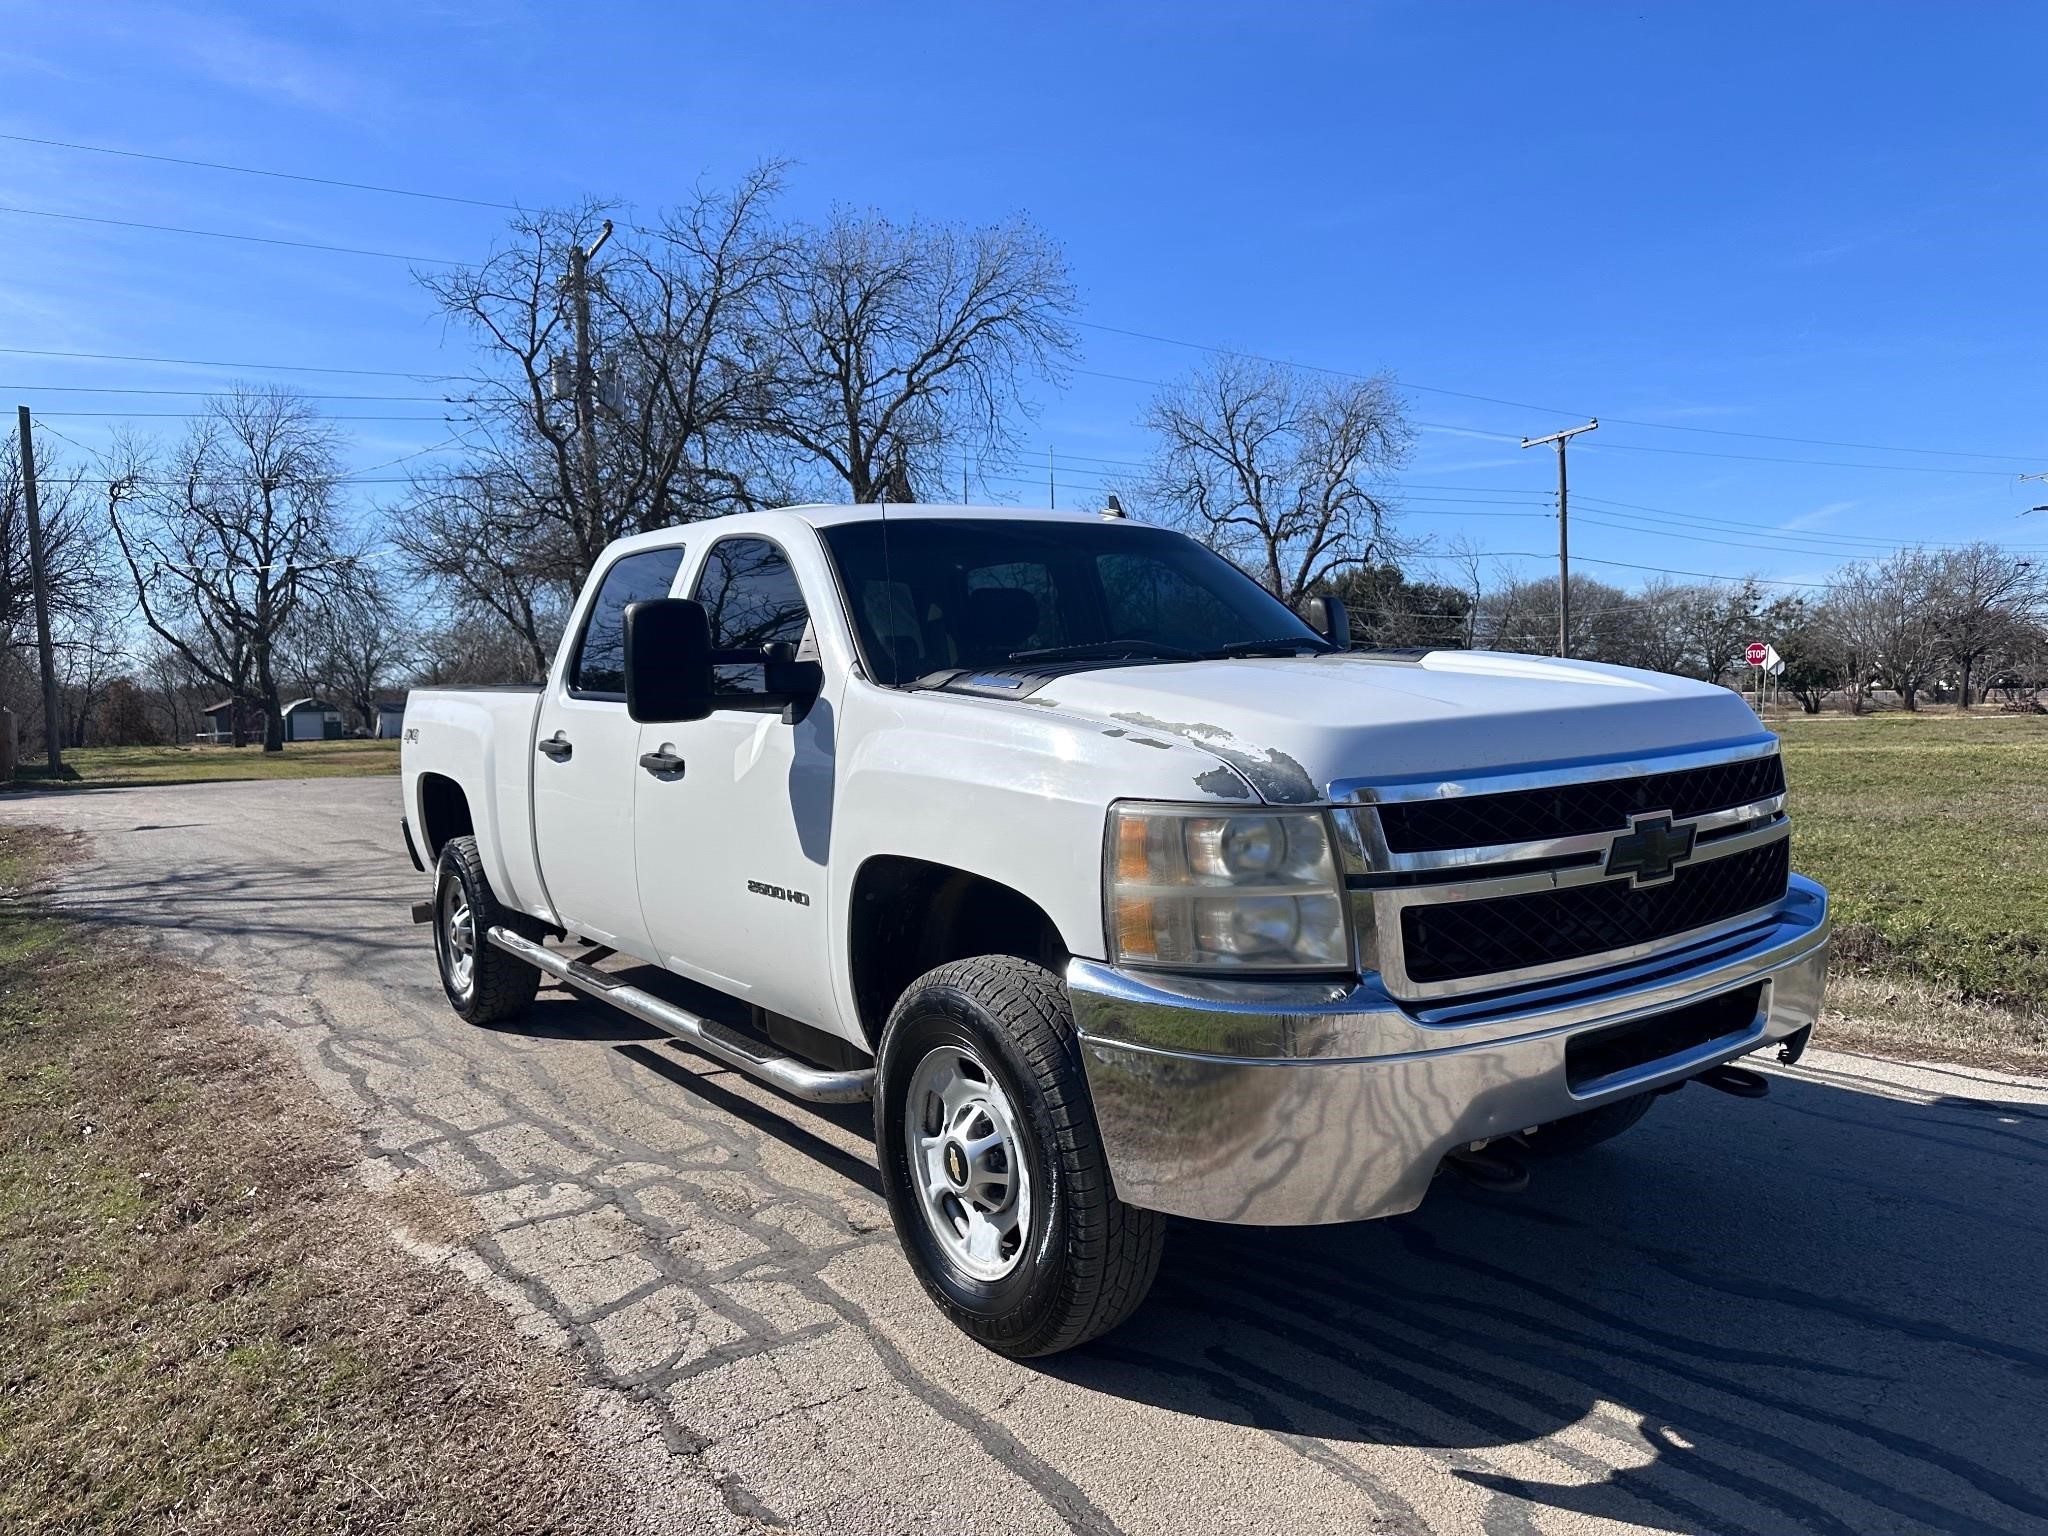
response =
{"points": [[1824, 513]]}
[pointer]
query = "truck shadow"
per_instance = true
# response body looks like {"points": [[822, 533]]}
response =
{"points": [[1742, 1317], [1738, 1317]]}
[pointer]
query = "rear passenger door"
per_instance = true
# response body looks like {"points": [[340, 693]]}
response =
{"points": [[584, 761], [732, 850]]}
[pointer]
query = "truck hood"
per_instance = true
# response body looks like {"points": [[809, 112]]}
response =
{"points": [[1294, 726]]}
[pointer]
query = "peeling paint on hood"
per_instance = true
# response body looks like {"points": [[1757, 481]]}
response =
{"points": [[1278, 778]]}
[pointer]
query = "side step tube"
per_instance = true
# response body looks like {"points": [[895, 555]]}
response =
{"points": [[793, 1077]]}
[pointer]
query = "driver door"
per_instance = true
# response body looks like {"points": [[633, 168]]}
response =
{"points": [[732, 848]]}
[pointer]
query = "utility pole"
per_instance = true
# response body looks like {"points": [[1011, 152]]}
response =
{"points": [[1564, 548], [1052, 489], [39, 581], [586, 408]]}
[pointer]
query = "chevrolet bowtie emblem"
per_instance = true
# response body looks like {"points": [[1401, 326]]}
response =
{"points": [[1650, 852]]}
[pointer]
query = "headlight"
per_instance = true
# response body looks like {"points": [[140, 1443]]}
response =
{"points": [[1194, 890]]}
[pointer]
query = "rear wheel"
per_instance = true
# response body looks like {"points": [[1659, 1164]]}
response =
{"points": [[994, 1167], [1575, 1133], [483, 983]]}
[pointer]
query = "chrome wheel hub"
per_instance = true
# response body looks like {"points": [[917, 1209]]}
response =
{"points": [[458, 936], [968, 1160]]}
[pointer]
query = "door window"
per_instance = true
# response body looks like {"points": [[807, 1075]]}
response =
{"points": [[752, 599], [600, 667]]}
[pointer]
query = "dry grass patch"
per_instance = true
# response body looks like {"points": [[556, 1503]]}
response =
{"points": [[205, 1325], [1911, 1020]]}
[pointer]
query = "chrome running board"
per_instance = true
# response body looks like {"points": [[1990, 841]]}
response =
{"points": [[793, 1077]]}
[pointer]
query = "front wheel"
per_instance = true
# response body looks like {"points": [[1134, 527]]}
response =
{"points": [[994, 1167]]}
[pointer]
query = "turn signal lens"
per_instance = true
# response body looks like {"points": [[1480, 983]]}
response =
{"points": [[1192, 890]]}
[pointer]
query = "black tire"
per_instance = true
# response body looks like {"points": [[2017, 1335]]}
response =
{"points": [[498, 986], [1085, 1259], [1575, 1133]]}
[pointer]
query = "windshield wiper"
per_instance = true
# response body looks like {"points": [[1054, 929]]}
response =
{"points": [[1279, 647], [1088, 650]]}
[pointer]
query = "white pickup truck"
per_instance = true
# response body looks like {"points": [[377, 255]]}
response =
{"points": [[1119, 888]]}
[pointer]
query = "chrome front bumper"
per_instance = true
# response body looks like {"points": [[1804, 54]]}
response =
{"points": [[1290, 1103]]}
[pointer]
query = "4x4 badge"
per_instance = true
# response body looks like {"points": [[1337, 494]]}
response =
{"points": [[1650, 852]]}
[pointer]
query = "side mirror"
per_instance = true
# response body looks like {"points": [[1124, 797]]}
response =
{"points": [[793, 684], [1326, 616], [668, 661]]}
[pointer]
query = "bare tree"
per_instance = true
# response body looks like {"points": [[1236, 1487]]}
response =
{"points": [[1388, 607], [494, 555], [1812, 661], [1983, 597], [1283, 471], [75, 560], [656, 338], [91, 650], [1882, 616], [354, 643], [1607, 624], [901, 345], [173, 685], [470, 649], [1718, 619], [230, 535], [1665, 607]]}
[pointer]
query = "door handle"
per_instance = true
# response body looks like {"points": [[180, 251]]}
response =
{"points": [[557, 747], [661, 763]]}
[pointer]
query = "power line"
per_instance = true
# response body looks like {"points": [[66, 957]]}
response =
{"points": [[1151, 336], [437, 421], [248, 170], [1660, 570], [205, 362], [1550, 410], [1758, 458], [221, 234], [1765, 531], [1720, 540], [202, 394]]}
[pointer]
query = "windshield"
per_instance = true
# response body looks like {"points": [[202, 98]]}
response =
{"points": [[936, 593]]}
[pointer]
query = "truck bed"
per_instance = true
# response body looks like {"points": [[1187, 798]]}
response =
{"points": [[482, 740]]}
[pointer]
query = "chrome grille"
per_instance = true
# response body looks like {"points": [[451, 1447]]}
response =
{"points": [[1491, 882]]}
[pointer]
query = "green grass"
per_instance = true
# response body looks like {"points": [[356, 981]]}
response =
{"points": [[102, 767], [1931, 830]]}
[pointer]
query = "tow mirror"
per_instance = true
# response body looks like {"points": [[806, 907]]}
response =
{"points": [[668, 661], [793, 684], [1326, 616]]}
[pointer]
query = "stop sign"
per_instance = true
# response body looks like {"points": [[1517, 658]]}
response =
{"points": [[1755, 652]]}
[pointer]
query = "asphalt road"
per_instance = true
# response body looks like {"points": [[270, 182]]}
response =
{"points": [[1823, 1312]]}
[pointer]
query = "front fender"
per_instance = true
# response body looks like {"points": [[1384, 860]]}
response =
{"points": [[1012, 791]]}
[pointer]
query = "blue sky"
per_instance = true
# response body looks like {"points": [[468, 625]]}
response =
{"points": [[1817, 222]]}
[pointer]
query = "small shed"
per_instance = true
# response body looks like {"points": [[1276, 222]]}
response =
{"points": [[220, 721], [390, 716], [311, 720]]}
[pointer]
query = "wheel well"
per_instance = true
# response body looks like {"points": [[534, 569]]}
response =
{"points": [[910, 915], [444, 814]]}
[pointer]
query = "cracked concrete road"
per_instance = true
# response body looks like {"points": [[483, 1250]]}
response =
{"points": [[1823, 1312]]}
